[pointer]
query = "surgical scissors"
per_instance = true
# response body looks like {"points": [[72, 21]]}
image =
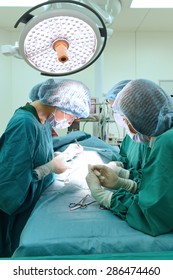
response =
{"points": [[80, 204]]}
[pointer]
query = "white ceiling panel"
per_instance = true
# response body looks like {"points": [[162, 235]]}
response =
{"points": [[128, 19]]}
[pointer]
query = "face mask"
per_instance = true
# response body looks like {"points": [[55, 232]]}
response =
{"points": [[119, 120], [57, 124], [137, 137], [62, 124], [51, 120]]}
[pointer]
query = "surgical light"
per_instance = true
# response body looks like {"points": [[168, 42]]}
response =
{"points": [[67, 37]]}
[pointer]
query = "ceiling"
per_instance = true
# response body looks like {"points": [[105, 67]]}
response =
{"points": [[128, 20]]}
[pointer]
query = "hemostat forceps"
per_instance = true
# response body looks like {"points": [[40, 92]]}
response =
{"points": [[80, 204]]}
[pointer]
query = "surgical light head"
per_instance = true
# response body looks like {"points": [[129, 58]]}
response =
{"points": [[64, 39]]}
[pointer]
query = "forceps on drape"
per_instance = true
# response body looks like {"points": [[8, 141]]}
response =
{"points": [[80, 204]]}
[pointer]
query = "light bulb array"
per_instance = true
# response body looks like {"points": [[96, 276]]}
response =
{"points": [[62, 41], [39, 50]]}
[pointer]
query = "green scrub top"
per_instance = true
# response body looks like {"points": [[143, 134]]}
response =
{"points": [[25, 144], [133, 157], [151, 210]]}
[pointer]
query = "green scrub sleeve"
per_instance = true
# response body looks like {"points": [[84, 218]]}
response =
{"points": [[151, 210], [133, 156]]}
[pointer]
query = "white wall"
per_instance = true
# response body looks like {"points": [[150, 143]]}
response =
{"points": [[128, 55], [5, 83], [154, 55], [141, 55], [119, 59]]}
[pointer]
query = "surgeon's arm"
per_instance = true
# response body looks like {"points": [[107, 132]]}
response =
{"points": [[111, 179], [56, 165], [17, 148], [151, 210], [119, 170], [101, 195]]}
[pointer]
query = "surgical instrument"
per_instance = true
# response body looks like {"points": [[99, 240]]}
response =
{"points": [[80, 204], [77, 142]]}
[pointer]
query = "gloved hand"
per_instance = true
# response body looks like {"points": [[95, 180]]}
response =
{"points": [[101, 195], [56, 165], [109, 179], [72, 151], [121, 172], [118, 163], [57, 153]]}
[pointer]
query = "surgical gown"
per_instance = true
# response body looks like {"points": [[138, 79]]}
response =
{"points": [[151, 210], [25, 144], [133, 157]]}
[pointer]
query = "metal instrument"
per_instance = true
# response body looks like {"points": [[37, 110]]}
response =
{"points": [[81, 203]]}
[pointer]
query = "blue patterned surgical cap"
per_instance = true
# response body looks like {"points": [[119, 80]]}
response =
{"points": [[147, 107], [112, 93], [69, 96]]}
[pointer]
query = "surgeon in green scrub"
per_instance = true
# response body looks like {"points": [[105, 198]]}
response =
{"points": [[27, 162], [134, 146], [148, 110]]}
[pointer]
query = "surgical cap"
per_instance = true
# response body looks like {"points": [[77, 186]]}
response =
{"points": [[147, 107], [112, 93], [69, 96]]}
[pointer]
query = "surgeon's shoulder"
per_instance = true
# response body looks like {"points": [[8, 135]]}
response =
{"points": [[22, 122], [165, 140], [23, 116]]}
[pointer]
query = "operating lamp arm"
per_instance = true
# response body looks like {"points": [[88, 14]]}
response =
{"points": [[9, 50], [108, 11]]}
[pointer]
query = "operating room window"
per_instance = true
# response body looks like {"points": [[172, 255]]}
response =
{"points": [[167, 86]]}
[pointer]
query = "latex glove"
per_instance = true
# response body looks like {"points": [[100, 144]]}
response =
{"points": [[118, 163], [109, 179], [101, 195], [121, 172], [56, 165], [72, 151], [57, 154]]}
